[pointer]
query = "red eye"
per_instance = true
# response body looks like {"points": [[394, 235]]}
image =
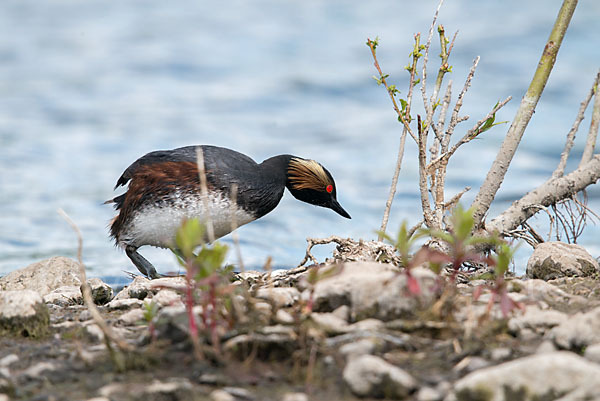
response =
{"points": [[329, 188]]}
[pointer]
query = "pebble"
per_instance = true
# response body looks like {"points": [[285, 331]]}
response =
{"points": [[23, 313], [295, 397], [592, 353], [123, 304], [371, 376], [8, 360], [537, 376], [221, 395], [551, 260]]}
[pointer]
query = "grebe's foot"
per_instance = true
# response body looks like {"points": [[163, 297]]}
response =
{"points": [[141, 263]]}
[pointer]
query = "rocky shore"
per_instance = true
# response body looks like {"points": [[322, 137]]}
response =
{"points": [[355, 329]]}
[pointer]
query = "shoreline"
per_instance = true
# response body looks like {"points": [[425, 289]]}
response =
{"points": [[365, 336]]}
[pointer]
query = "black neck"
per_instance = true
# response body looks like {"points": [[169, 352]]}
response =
{"points": [[276, 168], [268, 191]]}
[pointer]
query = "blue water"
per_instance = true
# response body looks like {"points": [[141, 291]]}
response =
{"points": [[86, 87]]}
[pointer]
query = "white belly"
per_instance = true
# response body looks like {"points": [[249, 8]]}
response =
{"points": [[157, 224]]}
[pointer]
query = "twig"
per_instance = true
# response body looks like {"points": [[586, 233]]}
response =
{"points": [[394, 184], [414, 228], [471, 134], [318, 241], [402, 118], [452, 202], [204, 189], [522, 233], [590, 143], [454, 120], [234, 225], [534, 233], [444, 68], [435, 147], [117, 358], [560, 169], [426, 57], [425, 204]]}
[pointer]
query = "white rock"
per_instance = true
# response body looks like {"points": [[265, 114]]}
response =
{"points": [[429, 394], [329, 323], [545, 347], [499, 354], [124, 304], [374, 290], [543, 292], [139, 288], [101, 292], [580, 330], [363, 346], [469, 364], [343, 312], [371, 376], [167, 297], [551, 260], [531, 378], [36, 371], [176, 283], [279, 272], [170, 389], [295, 397], [281, 297], [592, 353], [19, 303], [65, 296], [367, 325], [284, 317], [250, 275], [8, 360], [94, 332], [536, 319], [221, 395], [239, 393], [43, 277], [132, 317], [23, 313]]}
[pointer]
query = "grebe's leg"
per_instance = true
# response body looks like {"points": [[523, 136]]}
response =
{"points": [[141, 263]]}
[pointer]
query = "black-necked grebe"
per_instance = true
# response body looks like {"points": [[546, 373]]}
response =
{"points": [[164, 190]]}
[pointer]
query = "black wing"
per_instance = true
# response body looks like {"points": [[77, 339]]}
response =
{"points": [[218, 160]]}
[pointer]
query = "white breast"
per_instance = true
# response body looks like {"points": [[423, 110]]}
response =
{"points": [[157, 224]]}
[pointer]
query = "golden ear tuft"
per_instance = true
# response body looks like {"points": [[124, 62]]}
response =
{"points": [[307, 174]]}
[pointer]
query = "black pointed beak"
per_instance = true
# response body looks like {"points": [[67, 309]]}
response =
{"points": [[336, 207]]}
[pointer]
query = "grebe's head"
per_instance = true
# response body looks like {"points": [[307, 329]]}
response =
{"points": [[310, 182]]}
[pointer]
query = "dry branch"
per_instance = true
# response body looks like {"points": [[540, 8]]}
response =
{"points": [[590, 144], [109, 336], [560, 170], [399, 158], [204, 190], [547, 194], [496, 174]]}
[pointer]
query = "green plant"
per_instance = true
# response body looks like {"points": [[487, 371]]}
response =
{"points": [[150, 312], [501, 261], [403, 243], [207, 281], [460, 242], [460, 246]]}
